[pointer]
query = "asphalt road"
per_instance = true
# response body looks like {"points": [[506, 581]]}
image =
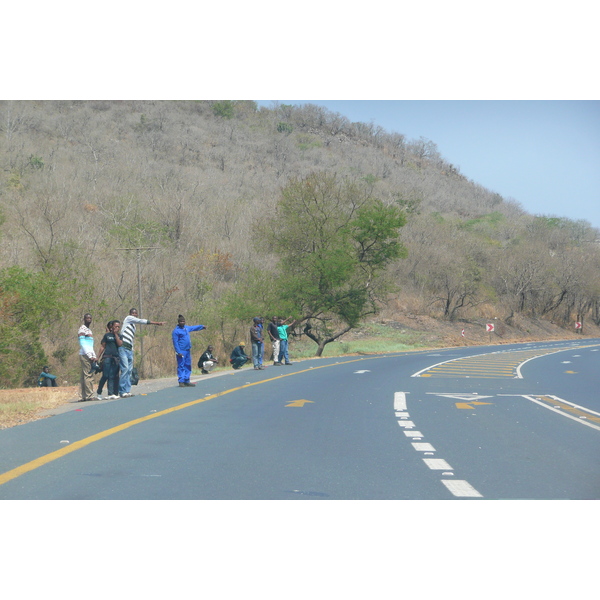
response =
{"points": [[498, 422]]}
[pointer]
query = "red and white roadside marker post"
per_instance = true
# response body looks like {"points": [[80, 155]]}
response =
{"points": [[579, 327], [489, 327]]}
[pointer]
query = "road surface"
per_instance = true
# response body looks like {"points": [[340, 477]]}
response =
{"points": [[498, 422]]}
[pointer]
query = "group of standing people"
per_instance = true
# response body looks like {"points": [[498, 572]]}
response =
{"points": [[277, 331], [115, 359]]}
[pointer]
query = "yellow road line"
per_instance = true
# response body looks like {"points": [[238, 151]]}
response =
{"points": [[52, 456]]}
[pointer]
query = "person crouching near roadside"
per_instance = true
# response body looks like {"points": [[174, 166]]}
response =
{"points": [[207, 361], [238, 356]]}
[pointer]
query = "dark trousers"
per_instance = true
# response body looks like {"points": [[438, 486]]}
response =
{"points": [[110, 372]]}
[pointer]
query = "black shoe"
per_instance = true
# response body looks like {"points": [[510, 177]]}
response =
{"points": [[204, 372], [181, 384], [277, 364], [189, 384], [288, 363]]}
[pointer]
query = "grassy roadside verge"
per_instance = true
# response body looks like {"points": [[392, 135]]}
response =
{"points": [[25, 404]]}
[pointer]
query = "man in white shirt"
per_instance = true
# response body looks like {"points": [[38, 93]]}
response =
{"points": [[126, 350], [87, 358]]}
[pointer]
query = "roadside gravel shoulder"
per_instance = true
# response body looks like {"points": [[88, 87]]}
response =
{"points": [[145, 386]]}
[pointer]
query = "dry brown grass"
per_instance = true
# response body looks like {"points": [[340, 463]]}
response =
{"points": [[25, 404]]}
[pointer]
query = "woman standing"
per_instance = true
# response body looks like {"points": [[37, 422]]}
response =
{"points": [[111, 342]]}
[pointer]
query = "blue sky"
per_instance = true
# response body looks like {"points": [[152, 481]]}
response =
{"points": [[545, 154]]}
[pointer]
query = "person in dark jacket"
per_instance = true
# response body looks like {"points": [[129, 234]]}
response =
{"points": [[238, 356], [109, 355], [207, 361], [256, 337]]}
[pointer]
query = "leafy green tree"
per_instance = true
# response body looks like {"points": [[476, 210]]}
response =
{"points": [[333, 241], [28, 303], [224, 109]]}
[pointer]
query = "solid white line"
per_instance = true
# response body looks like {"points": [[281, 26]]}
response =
{"points": [[400, 401], [437, 464], [418, 373], [462, 488], [560, 412], [575, 405]]}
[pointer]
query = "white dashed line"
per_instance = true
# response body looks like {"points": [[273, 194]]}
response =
{"points": [[461, 488], [413, 434], [399, 401], [437, 464], [423, 447]]}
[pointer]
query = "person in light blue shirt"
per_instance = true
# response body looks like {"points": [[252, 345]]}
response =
{"points": [[183, 350]]}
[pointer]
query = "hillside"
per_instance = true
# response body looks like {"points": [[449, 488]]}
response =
{"points": [[80, 181]]}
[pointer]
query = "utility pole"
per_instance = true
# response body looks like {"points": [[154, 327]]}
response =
{"points": [[139, 278]]}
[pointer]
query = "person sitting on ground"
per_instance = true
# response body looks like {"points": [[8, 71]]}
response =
{"points": [[238, 356], [46, 379], [207, 361]]}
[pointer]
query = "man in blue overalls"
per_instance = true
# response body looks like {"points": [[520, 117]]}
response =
{"points": [[183, 350]]}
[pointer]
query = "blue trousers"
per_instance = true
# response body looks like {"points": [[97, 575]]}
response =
{"points": [[126, 365], [184, 366], [257, 353], [283, 352]]}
